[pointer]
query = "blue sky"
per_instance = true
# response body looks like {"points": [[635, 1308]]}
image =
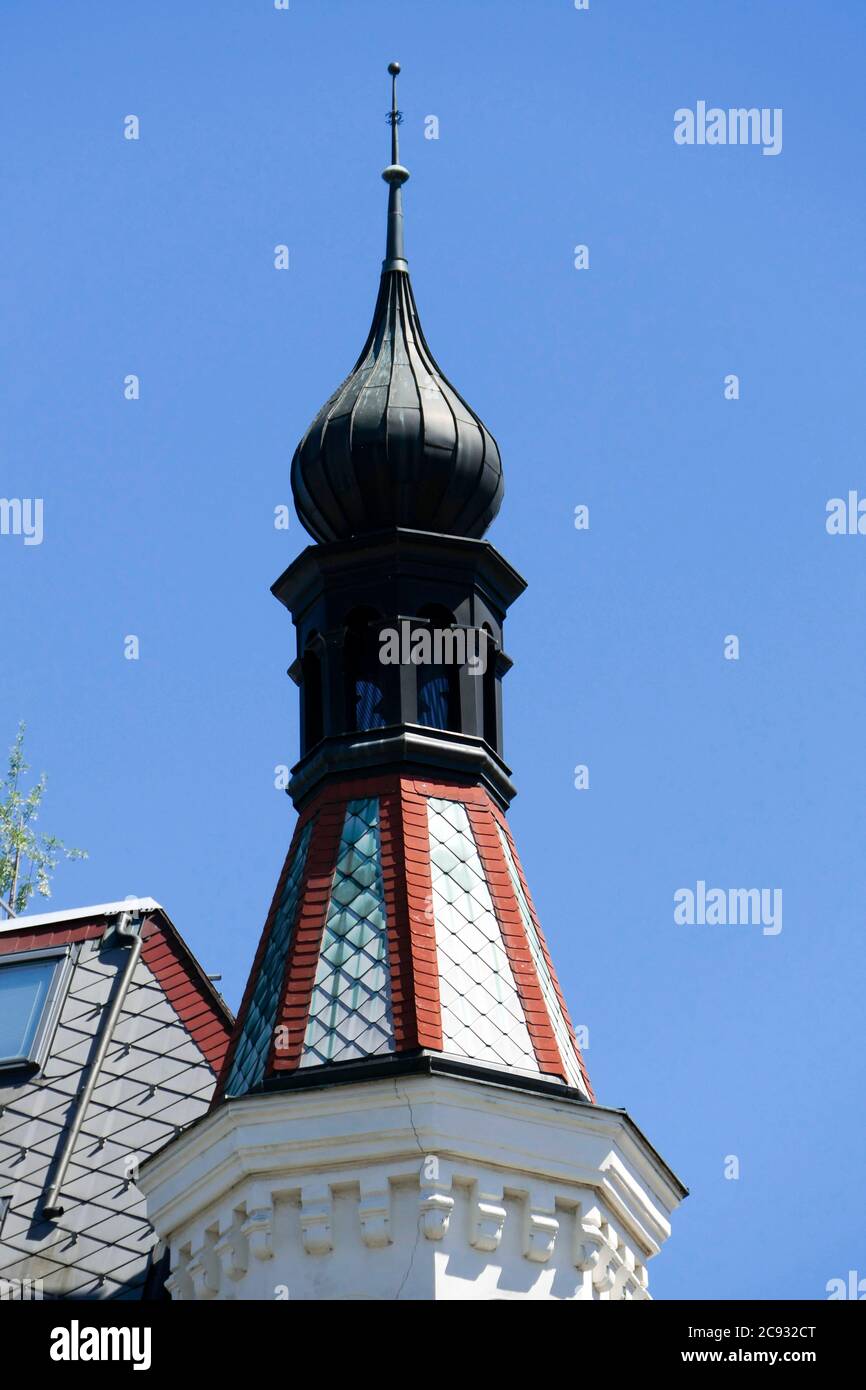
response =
{"points": [[604, 387]]}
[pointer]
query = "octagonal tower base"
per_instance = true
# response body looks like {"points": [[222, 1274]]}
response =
{"points": [[429, 1183]]}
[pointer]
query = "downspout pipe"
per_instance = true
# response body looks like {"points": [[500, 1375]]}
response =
{"points": [[127, 930]]}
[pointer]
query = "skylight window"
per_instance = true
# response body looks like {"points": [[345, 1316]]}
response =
{"points": [[29, 990]]}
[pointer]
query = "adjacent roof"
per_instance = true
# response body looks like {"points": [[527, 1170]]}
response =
{"points": [[166, 1045], [73, 914], [198, 1004]]}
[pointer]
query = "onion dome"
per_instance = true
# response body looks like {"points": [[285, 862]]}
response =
{"points": [[396, 445]]}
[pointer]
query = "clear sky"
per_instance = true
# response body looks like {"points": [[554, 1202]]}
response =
{"points": [[604, 387]]}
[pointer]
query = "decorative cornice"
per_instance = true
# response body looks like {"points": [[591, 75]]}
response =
{"points": [[316, 1218], [278, 1135], [414, 552], [504, 1222], [403, 749]]}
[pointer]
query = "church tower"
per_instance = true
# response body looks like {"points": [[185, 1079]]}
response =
{"points": [[404, 1111]]}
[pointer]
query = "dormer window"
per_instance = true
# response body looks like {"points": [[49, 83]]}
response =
{"points": [[30, 991]]}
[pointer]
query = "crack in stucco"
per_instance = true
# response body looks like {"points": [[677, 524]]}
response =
{"points": [[405, 1278]]}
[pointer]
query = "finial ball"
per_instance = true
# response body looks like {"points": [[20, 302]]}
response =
{"points": [[393, 68]]}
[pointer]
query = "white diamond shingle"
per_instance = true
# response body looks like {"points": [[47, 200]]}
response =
{"points": [[548, 990], [482, 1016]]}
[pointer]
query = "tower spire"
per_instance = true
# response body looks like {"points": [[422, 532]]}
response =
{"points": [[395, 176], [402, 941], [396, 444], [394, 116]]}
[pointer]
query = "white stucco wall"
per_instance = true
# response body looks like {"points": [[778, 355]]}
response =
{"points": [[420, 1187]]}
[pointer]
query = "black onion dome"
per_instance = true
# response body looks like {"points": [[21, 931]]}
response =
{"points": [[396, 445]]}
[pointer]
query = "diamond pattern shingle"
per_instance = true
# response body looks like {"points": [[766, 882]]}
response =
{"points": [[251, 1053], [350, 1010], [482, 1016]]}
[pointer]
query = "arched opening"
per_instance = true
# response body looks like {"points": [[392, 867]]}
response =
{"points": [[489, 692], [439, 681], [364, 673], [311, 679]]}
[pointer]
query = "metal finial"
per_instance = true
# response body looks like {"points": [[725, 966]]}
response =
{"points": [[395, 176], [394, 116]]}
